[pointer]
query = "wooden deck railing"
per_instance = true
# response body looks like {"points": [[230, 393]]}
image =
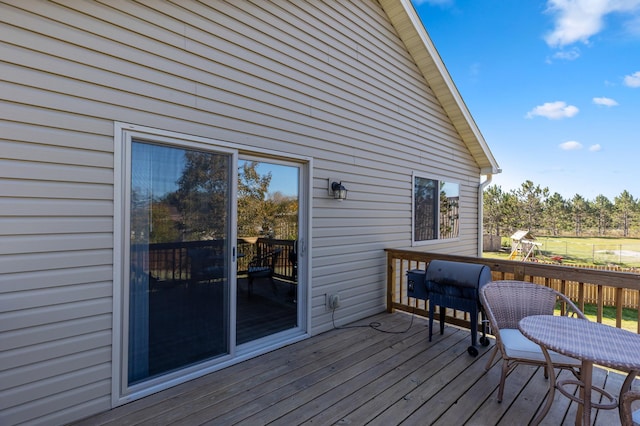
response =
{"points": [[579, 284], [174, 261], [286, 264]]}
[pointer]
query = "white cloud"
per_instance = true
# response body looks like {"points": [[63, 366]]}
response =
{"points": [[632, 80], [633, 26], [595, 148], [553, 110], [605, 101], [568, 55], [578, 20], [570, 146]]}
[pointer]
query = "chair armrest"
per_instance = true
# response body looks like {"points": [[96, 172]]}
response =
{"points": [[571, 308], [626, 411]]}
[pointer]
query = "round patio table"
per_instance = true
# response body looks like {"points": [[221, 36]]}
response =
{"points": [[590, 342]]}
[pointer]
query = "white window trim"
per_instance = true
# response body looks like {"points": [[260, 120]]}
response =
{"points": [[414, 175]]}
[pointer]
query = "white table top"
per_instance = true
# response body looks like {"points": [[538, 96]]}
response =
{"points": [[587, 340]]}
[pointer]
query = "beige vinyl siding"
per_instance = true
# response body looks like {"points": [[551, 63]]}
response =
{"points": [[327, 80]]}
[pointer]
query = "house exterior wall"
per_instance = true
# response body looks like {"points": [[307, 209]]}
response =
{"points": [[331, 81]]}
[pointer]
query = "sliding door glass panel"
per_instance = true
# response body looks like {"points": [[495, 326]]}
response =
{"points": [[268, 198], [179, 259]]}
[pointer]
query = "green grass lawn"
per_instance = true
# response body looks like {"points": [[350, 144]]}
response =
{"points": [[624, 252], [629, 316]]}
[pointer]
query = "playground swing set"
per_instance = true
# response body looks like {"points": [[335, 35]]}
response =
{"points": [[523, 247]]}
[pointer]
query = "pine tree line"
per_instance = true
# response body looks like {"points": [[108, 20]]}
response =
{"points": [[532, 208]]}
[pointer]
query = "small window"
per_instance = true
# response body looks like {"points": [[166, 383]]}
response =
{"points": [[435, 209]]}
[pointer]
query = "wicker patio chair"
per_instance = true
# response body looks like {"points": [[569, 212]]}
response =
{"points": [[505, 304], [629, 416]]}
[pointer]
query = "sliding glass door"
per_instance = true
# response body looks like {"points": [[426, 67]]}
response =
{"points": [[179, 283], [210, 260]]}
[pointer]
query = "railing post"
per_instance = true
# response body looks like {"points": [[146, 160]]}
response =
{"points": [[391, 276], [518, 273]]}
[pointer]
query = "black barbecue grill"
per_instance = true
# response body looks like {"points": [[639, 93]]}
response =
{"points": [[454, 285]]}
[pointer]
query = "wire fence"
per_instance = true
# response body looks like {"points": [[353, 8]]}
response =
{"points": [[604, 254]]}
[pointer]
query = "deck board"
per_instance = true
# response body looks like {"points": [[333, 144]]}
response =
{"points": [[347, 385], [411, 369], [359, 375]]}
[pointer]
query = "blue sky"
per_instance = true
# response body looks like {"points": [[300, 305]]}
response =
{"points": [[554, 87]]}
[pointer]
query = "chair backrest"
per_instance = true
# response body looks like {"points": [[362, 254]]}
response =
{"points": [[268, 259], [274, 258], [507, 302]]}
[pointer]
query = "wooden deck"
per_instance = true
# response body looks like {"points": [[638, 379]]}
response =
{"points": [[361, 375]]}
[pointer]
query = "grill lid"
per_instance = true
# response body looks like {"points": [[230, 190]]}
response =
{"points": [[460, 274]]}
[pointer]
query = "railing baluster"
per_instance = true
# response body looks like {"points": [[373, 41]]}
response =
{"points": [[581, 287], [563, 290], [619, 307], [600, 303], [638, 312]]}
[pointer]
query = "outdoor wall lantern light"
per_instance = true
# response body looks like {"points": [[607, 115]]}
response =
{"points": [[338, 191]]}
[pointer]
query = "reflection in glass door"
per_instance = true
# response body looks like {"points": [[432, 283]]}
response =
{"points": [[268, 217], [178, 310]]}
